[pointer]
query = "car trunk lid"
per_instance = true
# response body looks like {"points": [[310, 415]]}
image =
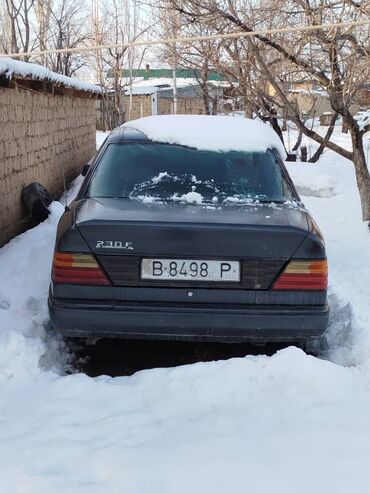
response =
{"points": [[259, 231], [122, 232]]}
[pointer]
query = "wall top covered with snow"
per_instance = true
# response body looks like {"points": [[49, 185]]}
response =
{"points": [[12, 68], [204, 132]]}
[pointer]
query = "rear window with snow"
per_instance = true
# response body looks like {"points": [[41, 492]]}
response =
{"points": [[161, 172]]}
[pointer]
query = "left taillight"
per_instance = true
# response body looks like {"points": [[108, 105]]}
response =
{"points": [[77, 268], [304, 275]]}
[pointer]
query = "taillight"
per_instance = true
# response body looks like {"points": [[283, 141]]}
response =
{"points": [[304, 274], [79, 268]]}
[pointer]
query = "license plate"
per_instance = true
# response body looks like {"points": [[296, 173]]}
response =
{"points": [[190, 270]]}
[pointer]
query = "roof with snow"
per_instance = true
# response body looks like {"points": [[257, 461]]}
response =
{"points": [[138, 91], [160, 71], [166, 81], [185, 86], [14, 68], [151, 86], [215, 133]]}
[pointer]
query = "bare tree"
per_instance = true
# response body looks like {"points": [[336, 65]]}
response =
{"points": [[43, 11], [336, 61], [66, 26], [197, 58], [17, 36], [117, 22], [43, 25]]}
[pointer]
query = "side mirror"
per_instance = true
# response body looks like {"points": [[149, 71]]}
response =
{"points": [[85, 169]]}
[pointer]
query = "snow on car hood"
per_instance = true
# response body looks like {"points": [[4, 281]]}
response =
{"points": [[210, 133]]}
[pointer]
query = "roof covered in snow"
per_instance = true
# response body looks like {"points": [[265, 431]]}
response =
{"points": [[218, 133], [146, 90], [223, 83], [11, 68], [166, 81], [153, 85]]}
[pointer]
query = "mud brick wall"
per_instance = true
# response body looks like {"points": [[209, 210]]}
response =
{"points": [[40, 134], [141, 106], [185, 106]]}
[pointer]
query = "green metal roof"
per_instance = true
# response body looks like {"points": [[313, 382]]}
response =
{"points": [[167, 72]]}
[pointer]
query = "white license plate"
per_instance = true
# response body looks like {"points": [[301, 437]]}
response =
{"points": [[190, 270]]}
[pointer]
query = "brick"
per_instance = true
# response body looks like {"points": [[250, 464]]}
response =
{"points": [[39, 134]]}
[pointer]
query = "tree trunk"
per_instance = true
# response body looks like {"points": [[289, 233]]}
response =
{"points": [[322, 147], [304, 154], [363, 181], [299, 141], [315, 157], [359, 161], [248, 111], [205, 97]]}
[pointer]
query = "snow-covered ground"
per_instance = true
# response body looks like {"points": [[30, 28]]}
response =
{"points": [[285, 423], [100, 137]]}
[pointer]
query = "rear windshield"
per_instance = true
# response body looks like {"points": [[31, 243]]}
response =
{"points": [[162, 172]]}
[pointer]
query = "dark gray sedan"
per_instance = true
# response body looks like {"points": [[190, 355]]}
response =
{"points": [[166, 241]]}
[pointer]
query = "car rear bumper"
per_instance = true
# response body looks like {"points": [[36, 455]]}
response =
{"points": [[207, 323]]}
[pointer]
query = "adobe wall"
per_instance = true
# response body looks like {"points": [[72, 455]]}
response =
{"points": [[40, 135], [185, 106], [141, 106]]}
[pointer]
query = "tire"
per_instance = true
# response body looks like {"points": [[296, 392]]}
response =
{"points": [[37, 200]]}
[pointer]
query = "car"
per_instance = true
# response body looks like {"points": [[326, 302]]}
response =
{"points": [[189, 228]]}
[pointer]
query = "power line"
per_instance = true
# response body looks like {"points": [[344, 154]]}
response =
{"points": [[208, 37]]}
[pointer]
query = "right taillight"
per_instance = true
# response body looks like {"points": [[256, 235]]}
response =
{"points": [[77, 268], [304, 275]]}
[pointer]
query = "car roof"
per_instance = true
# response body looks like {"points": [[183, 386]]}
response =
{"points": [[125, 134], [128, 134]]}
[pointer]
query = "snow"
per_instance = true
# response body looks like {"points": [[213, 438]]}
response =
{"points": [[146, 90], [215, 133], [147, 199], [363, 119], [285, 423], [100, 137], [168, 82], [331, 180], [11, 67], [196, 428], [159, 178], [192, 198], [329, 191], [223, 84], [309, 92]]}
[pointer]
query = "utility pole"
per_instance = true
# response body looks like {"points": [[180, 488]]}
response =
{"points": [[174, 60], [174, 90]]}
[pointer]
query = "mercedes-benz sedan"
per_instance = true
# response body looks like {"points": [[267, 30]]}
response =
{"points": [[174, 241]]}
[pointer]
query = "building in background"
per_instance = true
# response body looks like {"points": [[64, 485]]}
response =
{"points": [[151, 92]]}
